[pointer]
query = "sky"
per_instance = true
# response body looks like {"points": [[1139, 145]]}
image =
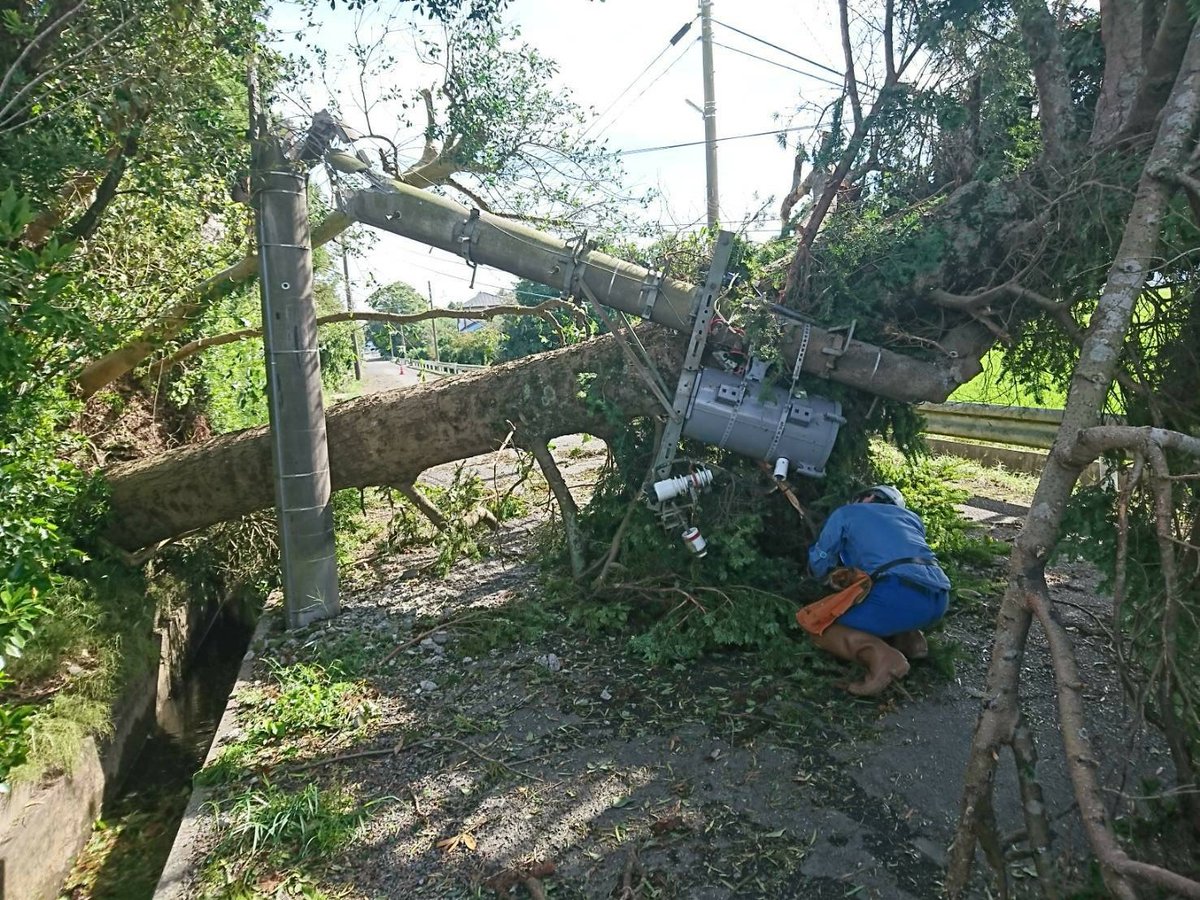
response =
{"points": [[602, 49]]}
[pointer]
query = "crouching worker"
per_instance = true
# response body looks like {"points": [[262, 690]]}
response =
{"points": [[889, 586]]}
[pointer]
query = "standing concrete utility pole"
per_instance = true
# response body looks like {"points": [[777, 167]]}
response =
{"points": [[433, 322], [356, 333], [299, 450], [710, 114]]}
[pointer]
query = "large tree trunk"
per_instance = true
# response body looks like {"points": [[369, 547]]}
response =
{"points": [[389, 438], [1027, 595]]}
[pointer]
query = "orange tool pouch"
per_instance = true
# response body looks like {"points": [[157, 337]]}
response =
{"points": [[853, 586]]}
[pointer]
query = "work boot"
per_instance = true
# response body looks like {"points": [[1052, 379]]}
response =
{"points": [[911, 643], [884, 663]]}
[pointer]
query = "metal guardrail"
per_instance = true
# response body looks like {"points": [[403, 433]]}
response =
{"points": [[439, 368], [1022, 426]]}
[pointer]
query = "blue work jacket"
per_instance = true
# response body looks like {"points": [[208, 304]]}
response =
{"points": [[869, 535]]}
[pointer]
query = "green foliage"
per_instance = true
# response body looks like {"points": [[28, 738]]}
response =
{"points": [[525, 335], [466, 503], [478, 347], [267, 829], [394, 340], [48, 503], [303, 698]]}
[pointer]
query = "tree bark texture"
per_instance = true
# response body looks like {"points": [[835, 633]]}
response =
{"points": [[389, 438], [1027, 594]]}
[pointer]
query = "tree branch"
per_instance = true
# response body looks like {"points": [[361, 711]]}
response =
{"points": [[86, 224], [1040, 34], [46, 33], [545, 307], [566, 505], [848, 53]]}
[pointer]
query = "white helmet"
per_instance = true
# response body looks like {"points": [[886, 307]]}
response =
{"points": [[884, 493]]}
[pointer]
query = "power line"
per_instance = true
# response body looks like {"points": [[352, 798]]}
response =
{"points": [[629, 105], [732, 137], [675, 38], [811, 62], [836, 84]]}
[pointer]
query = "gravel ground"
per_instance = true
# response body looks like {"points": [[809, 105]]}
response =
{"points": [[517, 757]]}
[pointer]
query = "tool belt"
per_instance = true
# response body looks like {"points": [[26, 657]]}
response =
{"points": [[852, 587]]}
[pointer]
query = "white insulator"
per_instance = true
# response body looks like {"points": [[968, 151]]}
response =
{"points": [[781, 468], [695, 541], [673, 487]]}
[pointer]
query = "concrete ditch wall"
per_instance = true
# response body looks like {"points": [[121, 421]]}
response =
{"points": [[43, 826]]}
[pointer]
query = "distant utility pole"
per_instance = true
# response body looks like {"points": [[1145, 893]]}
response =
{"points": [[433, 322], [710, 113], [354, 334], [299, 450]]}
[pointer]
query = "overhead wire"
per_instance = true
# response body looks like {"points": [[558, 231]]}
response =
{"points": [[655, 81], [802, 58], [812, 62], [731, 137], [821, 78], [675, 38]]}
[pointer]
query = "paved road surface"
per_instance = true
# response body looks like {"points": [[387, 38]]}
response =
{"points": [[385, 375]]}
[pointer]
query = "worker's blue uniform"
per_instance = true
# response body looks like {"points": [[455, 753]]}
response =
{"points": [[869, 535]]}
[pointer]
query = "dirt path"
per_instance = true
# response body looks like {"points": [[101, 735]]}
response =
{"points": [[514, 754]]}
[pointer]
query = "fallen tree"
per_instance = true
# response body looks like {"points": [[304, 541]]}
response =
{"points": [[389, 438]]}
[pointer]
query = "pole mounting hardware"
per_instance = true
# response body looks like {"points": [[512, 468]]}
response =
{"points": [[706, 307], [837, 351], [574, 250], [468, 237], [651, 288], [787, 408]]}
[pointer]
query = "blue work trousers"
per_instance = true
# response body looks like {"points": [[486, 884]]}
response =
{"points": [[894, 606]]}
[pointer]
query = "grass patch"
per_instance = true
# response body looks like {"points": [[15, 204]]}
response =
{"points": [[272, 839], [300, 700], [94, 640]]}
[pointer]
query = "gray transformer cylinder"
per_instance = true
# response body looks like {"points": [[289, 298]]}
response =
{"points": [[763, 422]]}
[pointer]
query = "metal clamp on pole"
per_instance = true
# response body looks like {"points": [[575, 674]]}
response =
{"points": [[836, 353], [651, 288], [787, 407], [468, 237], [577, 246]]}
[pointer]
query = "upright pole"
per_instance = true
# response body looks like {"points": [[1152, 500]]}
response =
{"points": [[355, 333], [433, 322], [299, 450], [710, 114]]}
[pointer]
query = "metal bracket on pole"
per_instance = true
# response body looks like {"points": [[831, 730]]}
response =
{"points": [[836, 353], [577, 246], [651, 287], [706, 307], [787, 409], [468, 237]]}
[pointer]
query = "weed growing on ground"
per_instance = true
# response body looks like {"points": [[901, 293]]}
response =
{"points": [[275, 838], [304, 698], [301, 699]]}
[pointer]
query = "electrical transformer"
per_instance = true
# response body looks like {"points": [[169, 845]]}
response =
{"points": [[761, 421]]}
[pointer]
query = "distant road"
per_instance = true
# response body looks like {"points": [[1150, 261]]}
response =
{"points": [[385, 375]]}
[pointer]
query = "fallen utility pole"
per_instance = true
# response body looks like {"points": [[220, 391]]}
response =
{"points": [[298, 442], [484, 239]]}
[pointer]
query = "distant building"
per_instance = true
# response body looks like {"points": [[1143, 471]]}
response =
{"points": [[482, 300]]}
